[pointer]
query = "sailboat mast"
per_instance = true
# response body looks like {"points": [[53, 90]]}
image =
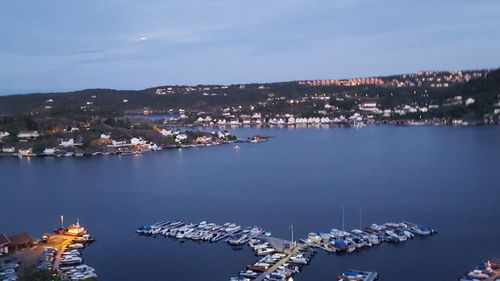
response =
{"points": [[359, 218], [343, 220], [292, 235]]}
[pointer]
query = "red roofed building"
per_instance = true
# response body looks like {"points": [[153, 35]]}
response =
{"points": [[20, 242]]}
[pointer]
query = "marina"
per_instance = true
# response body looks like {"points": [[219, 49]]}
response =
{"points": [[60, 253], [281, 259]]}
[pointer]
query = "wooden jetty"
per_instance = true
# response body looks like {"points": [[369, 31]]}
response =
{"points": [[294, 250]]}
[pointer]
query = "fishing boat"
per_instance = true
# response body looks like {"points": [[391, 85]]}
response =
{"points": [[72, 230]]}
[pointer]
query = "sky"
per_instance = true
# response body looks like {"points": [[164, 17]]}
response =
{"points": [[62, 45]]}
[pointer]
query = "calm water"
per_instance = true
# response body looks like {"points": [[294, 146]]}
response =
{"points": [[444, 177]]}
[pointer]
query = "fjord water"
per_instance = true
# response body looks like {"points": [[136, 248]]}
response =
{"points": [[444, 177]]}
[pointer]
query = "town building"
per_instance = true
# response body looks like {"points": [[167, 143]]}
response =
{"points": [[28, 134], [20, 242], [67, 142]]}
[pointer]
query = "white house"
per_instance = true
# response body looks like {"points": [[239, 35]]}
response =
{"points": [[8, 149], [49, 151], [67, 142], [118, 142], [28, 134], [137, 141], [4, 134], [223, 134], [165, 132], [180, 137], [105, 136]]}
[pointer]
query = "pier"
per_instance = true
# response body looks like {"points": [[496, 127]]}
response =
{"points": [[296, 249]]}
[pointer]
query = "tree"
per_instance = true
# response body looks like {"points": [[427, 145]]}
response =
{"points": [[38, 148], [37, 274]]}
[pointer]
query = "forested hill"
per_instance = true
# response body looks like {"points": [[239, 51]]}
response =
{"points": [[418, 88]]}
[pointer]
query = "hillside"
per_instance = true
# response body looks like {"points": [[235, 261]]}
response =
{"points": [[389, 92]]}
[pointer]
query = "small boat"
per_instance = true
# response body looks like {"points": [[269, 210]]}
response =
{"points": [[478, 274], [71, 260], [236, 147], [421, 230], [76, 246], [249, 273]]}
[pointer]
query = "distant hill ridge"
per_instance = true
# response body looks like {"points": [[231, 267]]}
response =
{"points": [[418, 87]]}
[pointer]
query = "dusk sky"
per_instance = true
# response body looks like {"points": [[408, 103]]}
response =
{"points": [[65, 45]]}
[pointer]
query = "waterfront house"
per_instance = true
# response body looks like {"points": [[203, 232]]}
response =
{"points": [[20, 242], [221, 121], [256, 115], [28, 134], [118, 143], [325, 120], [203, 139], [10, 149], [105, 136], [223, 134], [67, 142], [4, 244], [49, 151]]}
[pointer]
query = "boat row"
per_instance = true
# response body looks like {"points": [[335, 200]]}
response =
{"points": [[484, 271], [339, 241], [234, 234], [71, 262]]}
